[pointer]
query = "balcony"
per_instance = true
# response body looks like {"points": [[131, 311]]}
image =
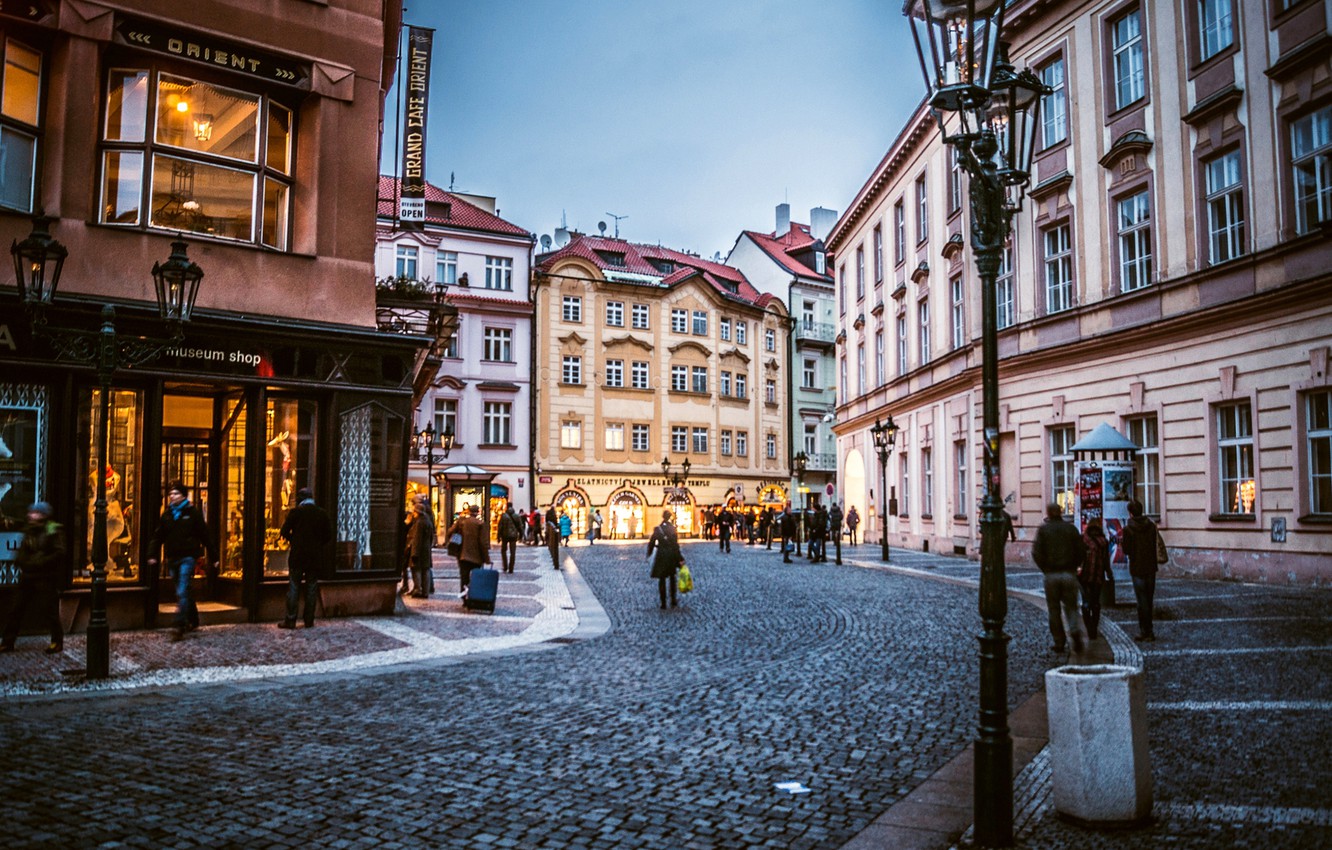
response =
{"points": [[815, 333], [417, 308], [821, 462]]}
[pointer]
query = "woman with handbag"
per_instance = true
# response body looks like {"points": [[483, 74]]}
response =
{"points": [[664, 553]]}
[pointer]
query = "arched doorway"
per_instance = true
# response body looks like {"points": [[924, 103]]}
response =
{"points": [[855, 486], [681, 503], [574, 503], [627, 517]]}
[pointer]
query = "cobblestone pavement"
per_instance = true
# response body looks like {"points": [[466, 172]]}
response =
{"points": [[670, 731]]}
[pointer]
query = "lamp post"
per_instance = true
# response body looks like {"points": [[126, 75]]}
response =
{"points": [[676, 478], [885, 437], [800, 463], [988, 113], [425, 452], [38, 261]]}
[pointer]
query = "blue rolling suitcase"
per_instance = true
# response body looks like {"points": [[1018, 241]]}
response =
{"points": [[481, 591]]}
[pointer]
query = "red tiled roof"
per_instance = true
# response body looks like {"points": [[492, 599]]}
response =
{"points": [[604, 253], [462, 214], [780, 248]]}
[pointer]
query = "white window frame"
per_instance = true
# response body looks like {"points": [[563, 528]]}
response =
{"points": [[1054, 106], [405, 261], [571, 434], [923, 319], [1128, 52], [725, 330], [497, 419], [571, 373], [742, 444], [1311, 164], [1225, 207], [771, 445], [698, 379], [446, 267], [615, 314], [1318, 445], [614, 437], [1063, 466], [639, 374], [1236, 459], [571, 308], [679, 439], [499, 273], [698, 439], [1215, 31], [679, 379], [679, 321], [1145, 432], [614, 372], [699, 326], [741, 332], [724, 443], [641, 437], [959, 312], [962, 484], [1058, 261], [1133, 216], [1005, 308], [640, 317]]}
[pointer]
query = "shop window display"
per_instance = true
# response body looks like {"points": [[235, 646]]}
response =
{"points": [[23, 422], [288, 468], [122, 474], [232, 539]]}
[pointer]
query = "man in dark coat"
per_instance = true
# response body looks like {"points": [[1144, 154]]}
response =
{"points": [[475, 549], [666, 543], [510, 529], [818, 535], [182, 535], [1138, 540], [553, 535], [40, 555], [1059, 551], [725, 520], [835, 528], [420, 546], [308, 531], [788, 529]]}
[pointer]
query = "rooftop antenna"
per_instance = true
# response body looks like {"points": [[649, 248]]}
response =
{"points": [[617, 222], [450, 181]]}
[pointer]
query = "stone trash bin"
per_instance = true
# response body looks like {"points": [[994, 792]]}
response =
{"points": [[1098, 744]]}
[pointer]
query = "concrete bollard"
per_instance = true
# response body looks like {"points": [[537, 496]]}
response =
{"points": [[1098, 744]]}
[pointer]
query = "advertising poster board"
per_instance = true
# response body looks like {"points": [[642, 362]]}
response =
{"points": [[1105, 488]]}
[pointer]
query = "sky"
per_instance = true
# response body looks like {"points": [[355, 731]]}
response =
{"points": [[691, 119]]}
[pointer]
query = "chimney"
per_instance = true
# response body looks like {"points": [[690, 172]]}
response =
{"points": [[821, 222], [783, 220]]}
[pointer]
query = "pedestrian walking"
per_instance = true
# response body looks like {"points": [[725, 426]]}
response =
{"points": [[182, 535], [1139, 542], [818, 535], [594, 527], [1059, 552], [852, 523], [41, 552], [420, 543], [475, 550], [1007, 532], [789, 530], [566, 527], [308, 531], [553, 535], [765, 527], [665, 542], [537, 522], [509, 530], [1093, 575], [725, 522], [835, 529]]}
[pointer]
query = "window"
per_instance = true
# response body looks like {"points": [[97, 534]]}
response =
{"points": [[640, 317], [904, 487], [679, 321], [1135, 242], [878, 253], [573, 370], [807, 313], [922, 211], [679, 378], [841, 288], [571, 434], [726, 329], [771, 445], [741, 386], [184, 155], [1234, 445], [742, 443], [572, 308], [809, 374], [614, 373], [679, 439], [638, 374], [1318, 431], [923, 314], [1054, 106], [700, 323], [20, 125], [615, 437], [446, 267], [499, 344], [1225, 207], [451, 347], [406, 262], [726, 383], [962, 503], [844, 385], [741, 333], [496, 416], [700, 436], [640, 437], [446, 415], [860, 272], [954, 180], [899, 232], [499, 273], [770, 391], [1129, 66], [1214, 27], [860, 369], [1058, 269], [1142, 430], [810, 444], [1063, 479], [1311, 148], [926, 482], [1005, 309], [901, 344], [615, 314], [725, 443], [699, 376], [769, 339], [958, 314], [880, 376]]}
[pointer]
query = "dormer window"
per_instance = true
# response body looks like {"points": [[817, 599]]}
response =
{"points": [[612, 258], [663, 266]]}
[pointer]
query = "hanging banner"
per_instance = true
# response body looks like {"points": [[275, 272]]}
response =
{"points": [[1105, 489], [411, 200]]}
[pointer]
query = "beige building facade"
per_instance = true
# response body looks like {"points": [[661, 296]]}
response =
{"points": [[647, 355], [1168, 275]]}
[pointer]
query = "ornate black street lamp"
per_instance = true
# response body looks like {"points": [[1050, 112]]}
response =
{"points": [[988, 113], [885, 437], [799, 464], [676, 478], [38, 261], [425, 452]]}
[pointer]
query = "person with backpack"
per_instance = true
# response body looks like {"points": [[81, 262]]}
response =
{"points": [[41, 552], [1139, 542], [509, 532]]}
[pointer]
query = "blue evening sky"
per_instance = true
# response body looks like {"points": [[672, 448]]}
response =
{"points": [[692, 118]]}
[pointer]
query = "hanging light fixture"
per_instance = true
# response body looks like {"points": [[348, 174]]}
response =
{"points": [[177, 283], [203, 126]]}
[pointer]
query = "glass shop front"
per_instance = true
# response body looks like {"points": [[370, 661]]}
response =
{"points": [[244, 419]]}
